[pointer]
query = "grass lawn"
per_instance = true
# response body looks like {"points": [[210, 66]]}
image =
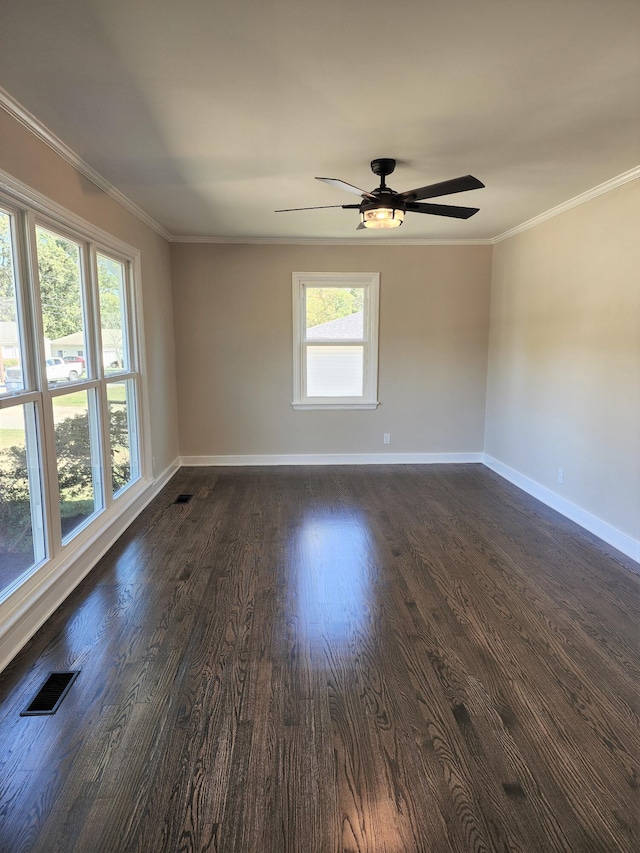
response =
{"points": [[78, 399], [117, 393], [9, 437], [76, 508]]}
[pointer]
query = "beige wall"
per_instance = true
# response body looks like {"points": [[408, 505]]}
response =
{"points": [[233, 321], [564, 360], [34, 163], [563, 385]]}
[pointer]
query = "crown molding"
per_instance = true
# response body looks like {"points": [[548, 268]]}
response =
{"points": [[28, 120], [576, 201], [23, 193], [9, 104], [606, 187], [332, 241]]}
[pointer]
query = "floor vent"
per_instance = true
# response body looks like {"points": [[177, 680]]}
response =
{"points": [[47, 700], [183, 499]]}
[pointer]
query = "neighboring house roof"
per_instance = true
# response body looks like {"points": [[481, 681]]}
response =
{"points": [[110, 337], [345, 328]]}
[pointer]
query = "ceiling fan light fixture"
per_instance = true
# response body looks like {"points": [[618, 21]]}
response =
{"points": [[382, 217], [385, 208]]}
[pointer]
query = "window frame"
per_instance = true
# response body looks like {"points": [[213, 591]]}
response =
{"points": [[370, 282], [29, 210]]}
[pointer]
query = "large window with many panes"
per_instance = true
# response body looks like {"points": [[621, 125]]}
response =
{"points": [[69, 384]]}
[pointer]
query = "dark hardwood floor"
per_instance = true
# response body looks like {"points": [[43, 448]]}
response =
{"points": [[415, 658]]}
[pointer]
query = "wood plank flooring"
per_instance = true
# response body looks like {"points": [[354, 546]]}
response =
{"points": [[370, 659]]}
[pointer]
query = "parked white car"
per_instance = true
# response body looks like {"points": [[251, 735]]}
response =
{"points": [[58, 370]]}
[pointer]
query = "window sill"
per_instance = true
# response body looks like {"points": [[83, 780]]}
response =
{"points": [[306, 407]]}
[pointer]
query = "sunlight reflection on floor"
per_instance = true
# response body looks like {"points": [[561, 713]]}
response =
{"points": [[332, 575]]}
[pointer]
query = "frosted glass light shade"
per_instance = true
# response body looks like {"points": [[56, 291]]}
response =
{"points": [[382, 217]]}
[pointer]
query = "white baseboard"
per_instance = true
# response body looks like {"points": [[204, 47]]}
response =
{"points": [[26, 609], [30, 603], [627, 544], [334, 459]]}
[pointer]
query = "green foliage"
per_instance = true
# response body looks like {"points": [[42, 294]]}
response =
{"points": [[14, 480], [120, 460], [60, 286], [332, 303], [73, 453], [7, 298], [74, 471], [109, 285], [59, 270], [15, 514]]}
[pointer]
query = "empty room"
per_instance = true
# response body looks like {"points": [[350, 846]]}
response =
{"points": [[320, 426]]}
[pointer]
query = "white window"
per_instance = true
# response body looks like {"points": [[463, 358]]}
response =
{"points": [[335, 340], [70, 383]]}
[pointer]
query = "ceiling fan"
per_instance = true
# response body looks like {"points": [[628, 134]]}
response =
{"points": [[385, 208]]}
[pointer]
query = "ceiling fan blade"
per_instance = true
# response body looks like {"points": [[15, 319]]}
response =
{"points": [[322, 207], [342, 185], [455, 185], [443, 210]]}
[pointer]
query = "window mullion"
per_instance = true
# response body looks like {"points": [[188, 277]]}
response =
{"points": [[352, 342], [20, 268], [47, 440], [62, 390], [42, 543], [135, 430], [98, 418], [33, 357], [91, 316], [36, 372], [120, 377], [130, 357], [299, 343], [19, 399]]}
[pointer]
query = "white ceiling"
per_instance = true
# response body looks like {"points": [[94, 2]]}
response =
{"points": [[209, 115]]}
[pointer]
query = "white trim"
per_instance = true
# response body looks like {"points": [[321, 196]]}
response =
{"points": [[9, 401], [139, 355], [606, 187], [24, 612], [624, 543], [576, 201], [337, 241], [31, 598], [58, 215], [369, 282], [332, 459], [32, 602], [315, 407], [9, 104]]}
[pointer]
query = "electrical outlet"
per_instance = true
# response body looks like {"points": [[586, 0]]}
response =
{"points": [[561, 475], [386, 438]]}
